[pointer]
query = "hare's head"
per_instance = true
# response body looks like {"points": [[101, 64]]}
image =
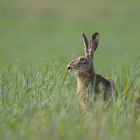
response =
{"points": [[85, 63]]}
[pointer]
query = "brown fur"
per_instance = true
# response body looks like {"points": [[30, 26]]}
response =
{"points": [[87, 81]]}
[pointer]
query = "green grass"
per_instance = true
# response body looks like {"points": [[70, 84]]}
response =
{"points": [[38, 98], [41, 103]]}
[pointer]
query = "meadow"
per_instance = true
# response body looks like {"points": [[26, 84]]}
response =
{"points": [[38, 98]]}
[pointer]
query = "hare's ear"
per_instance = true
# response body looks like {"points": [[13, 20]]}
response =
{"points": [[93, 43], [86, 43]]}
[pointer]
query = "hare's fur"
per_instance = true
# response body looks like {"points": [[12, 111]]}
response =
{"points": [[88, 82]]}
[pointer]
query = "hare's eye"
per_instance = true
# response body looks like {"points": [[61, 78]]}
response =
{"points": [[82, 59]]}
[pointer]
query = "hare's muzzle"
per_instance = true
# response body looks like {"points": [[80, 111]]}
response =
{"points": [[69, 68]]}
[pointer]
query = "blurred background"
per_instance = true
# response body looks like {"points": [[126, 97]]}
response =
{"points": [[34, 30]]}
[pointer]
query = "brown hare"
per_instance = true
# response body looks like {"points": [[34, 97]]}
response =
{"points": [[88, 82]]}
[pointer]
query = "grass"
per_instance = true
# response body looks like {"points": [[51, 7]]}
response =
{"points": [[41, 103], [38, 97]]}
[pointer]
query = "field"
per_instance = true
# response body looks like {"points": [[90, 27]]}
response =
{"points": [[38, 98]]}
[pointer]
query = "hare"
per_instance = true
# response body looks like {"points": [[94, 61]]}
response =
{"points": [[88, 82]]}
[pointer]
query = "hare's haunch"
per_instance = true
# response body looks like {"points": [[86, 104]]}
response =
{"points": [[88, 82]]}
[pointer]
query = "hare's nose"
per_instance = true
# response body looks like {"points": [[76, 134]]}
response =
{"points": [[68, 67]]}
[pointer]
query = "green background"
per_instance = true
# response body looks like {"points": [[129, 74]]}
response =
{"points": [[34, 30], [38, 99]]}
